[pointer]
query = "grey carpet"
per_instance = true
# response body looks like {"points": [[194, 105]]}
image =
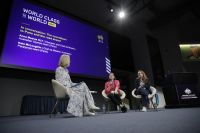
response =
{"points": [[167, 121]]}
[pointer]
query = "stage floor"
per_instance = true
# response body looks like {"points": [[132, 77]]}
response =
{"points": [[184, 120]]}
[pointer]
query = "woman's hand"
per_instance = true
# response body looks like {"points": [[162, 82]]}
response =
{"points": [[116, 92], [112, 92], [150, 96]]}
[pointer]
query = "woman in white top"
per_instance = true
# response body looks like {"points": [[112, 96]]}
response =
{"points": [[81, 100]]}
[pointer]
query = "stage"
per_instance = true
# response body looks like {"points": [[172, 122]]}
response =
{"points": [[164, 121]]}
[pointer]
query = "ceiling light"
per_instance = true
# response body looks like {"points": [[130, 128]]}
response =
{"points": [[121, 14], [111, 10]]}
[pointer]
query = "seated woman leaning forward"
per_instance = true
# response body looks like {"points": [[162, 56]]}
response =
{"points": [[112, 90], [143, 88], [81, 101]]}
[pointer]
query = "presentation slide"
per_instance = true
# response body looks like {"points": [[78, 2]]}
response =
{"points": [[36, 37]]}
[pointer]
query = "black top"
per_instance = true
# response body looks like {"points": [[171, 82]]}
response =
{"points": [[146, 85]]}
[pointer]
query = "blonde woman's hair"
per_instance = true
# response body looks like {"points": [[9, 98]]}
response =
{"points": [[64, 60], [144, 78]]}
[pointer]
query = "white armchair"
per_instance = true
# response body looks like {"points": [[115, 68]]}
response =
{"points": [[123, 95], [153, 93], [60, 92]]}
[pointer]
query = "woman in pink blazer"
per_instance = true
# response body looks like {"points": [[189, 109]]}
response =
{"points": [[112, 90]]}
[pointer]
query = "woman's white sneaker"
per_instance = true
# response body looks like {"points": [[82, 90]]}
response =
{"points": [[144, 109]]}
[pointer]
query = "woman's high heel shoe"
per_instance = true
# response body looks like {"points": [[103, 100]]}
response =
{"points": [[95, 108], [89, 113]]}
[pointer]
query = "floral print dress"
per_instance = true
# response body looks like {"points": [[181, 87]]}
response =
{"points": [[81, 99]]}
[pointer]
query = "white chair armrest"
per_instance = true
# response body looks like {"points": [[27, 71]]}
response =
{"points": [[104, 94], [153, 90], [93, 91], [123, 94], [134, 95], [60, 90]]}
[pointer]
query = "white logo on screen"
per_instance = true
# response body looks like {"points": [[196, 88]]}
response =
{"points": [[108, 66], [187, 91], [100, 38]]}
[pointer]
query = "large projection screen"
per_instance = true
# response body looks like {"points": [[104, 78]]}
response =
{"points": [[37, 36]]}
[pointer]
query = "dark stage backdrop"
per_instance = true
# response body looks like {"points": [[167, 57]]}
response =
{"points": [[121, 52]]}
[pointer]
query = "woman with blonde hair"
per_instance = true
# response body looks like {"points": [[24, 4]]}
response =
{"points": [[143, 88], [81, 100]]}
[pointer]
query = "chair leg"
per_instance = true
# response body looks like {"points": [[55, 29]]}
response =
{"points": [[154, 106], [55, 106], [108, 107]]}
